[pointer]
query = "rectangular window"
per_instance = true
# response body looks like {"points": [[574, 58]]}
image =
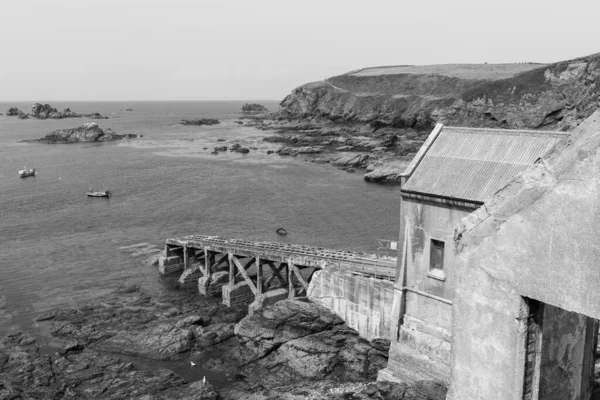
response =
{"points": [[436, 258]]}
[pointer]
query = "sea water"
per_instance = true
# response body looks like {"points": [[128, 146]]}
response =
{"points": [[59, 247]]}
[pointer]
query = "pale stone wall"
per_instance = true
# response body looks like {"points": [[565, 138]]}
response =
{"points": [[538, 238], [365, 304]]}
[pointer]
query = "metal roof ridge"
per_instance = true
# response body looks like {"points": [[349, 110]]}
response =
{"points": [[423, 150]]}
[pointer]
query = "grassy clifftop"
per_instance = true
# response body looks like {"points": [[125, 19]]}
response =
{"points": [[528, 95]]}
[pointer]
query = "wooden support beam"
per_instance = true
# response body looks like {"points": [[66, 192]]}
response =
{"points": [[297, 272], [276, 272], [231, 269], [208, 256], [290, 274], [259, 276], [244, 274], [186, 258], [218, 261], [248, 264]]}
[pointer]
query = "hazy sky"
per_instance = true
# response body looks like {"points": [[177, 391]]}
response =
{"points": [[262, 49]]}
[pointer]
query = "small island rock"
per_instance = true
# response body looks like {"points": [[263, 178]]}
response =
{"points": [[254, 108], [13, 112], [89, 132], [200, 121]]}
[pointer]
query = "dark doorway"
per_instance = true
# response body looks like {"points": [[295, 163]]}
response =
{"points": [[560, 353]]}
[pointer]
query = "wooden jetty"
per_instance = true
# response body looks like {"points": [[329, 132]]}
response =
{"points": [[264, 271]]}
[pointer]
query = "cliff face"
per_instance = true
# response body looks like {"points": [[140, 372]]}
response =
{"points": [[553, 96]]}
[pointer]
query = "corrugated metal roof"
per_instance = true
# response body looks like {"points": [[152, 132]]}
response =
{"points": [[473, 163]]}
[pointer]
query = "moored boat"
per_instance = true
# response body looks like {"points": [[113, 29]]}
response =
{"points": [[24, 173], [102, 193]]}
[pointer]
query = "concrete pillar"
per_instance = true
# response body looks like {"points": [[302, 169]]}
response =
{"points": [[236, 293], [209, 258], [213, 285], [268, 298]]}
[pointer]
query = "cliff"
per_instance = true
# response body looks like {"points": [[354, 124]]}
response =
{"points": [[378, 118], [535, 96]]}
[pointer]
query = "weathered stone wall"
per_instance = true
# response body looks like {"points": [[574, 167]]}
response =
{"points": [[363, 303], [538, 238]]}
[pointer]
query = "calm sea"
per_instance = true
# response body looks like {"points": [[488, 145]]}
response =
{"points": [[59, 247]]}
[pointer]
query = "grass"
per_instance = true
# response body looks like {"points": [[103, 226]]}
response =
{"points": [[462, 71]]}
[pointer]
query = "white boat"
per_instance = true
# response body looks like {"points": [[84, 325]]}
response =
{"points": [[24, 173], [101, 193]]}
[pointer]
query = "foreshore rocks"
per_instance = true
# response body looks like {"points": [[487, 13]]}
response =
{"points": [[200, 121], [387, 151], [45, 111], [89, 132], [294, 348]]}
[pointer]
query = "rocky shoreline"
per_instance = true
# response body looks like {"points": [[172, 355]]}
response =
{"points": [[294, 349], [382, 153]]}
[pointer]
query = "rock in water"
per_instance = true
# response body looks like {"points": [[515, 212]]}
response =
{"points": [[13, 112], [89, 132], [200, 121], [254, 108], [43, 111]]}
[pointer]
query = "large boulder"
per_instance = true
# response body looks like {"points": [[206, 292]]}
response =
{"points": [[281, 322]]}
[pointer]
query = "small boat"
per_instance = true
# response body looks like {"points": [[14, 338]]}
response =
{"points": [[24, 173], [281, 232], [103, 193]]}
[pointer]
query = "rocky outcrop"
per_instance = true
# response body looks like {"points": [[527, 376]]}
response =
{"points": [[26, 372], [297, 339], [161, 342], [254, 108], [45, 111], [89, 132], [13, 112], [200, 121], [293, 346]]}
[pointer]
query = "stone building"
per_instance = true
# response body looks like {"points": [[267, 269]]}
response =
{"points": [[455, 170], [526, 281]]}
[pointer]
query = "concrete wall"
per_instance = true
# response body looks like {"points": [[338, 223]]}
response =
{"points": [[421, 346], [538, 238], [364, 303], [423, 221]]}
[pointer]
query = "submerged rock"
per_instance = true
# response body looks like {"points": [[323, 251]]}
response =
{"points": [[238, 148], [89, 132]]}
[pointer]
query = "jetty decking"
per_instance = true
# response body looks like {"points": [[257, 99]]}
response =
{"points": [[237, 267]]}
